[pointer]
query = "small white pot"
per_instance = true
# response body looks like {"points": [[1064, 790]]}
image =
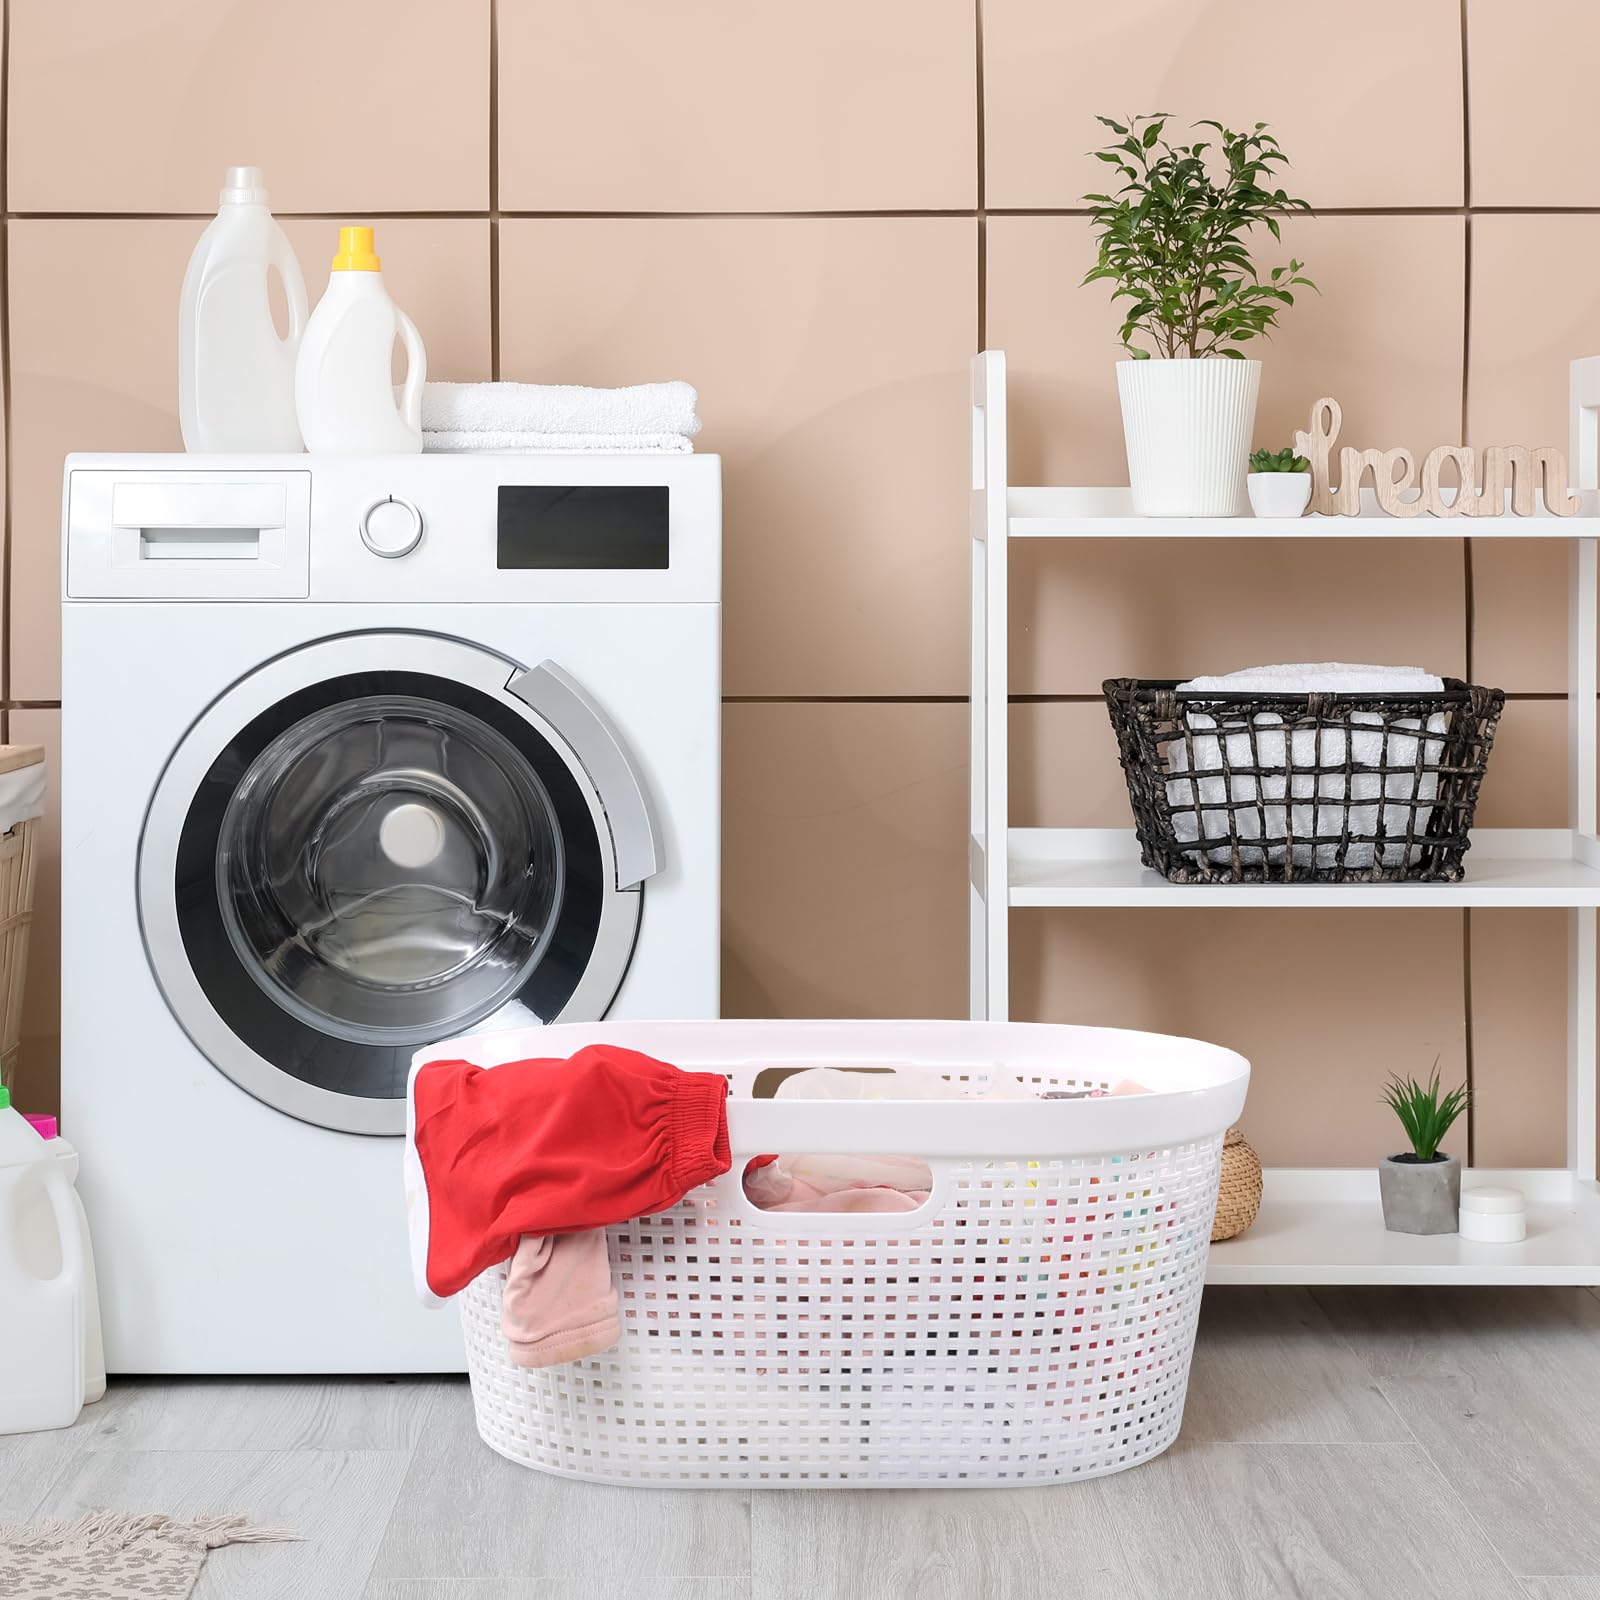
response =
{"points": [[1187, 426], [1279, 494]]}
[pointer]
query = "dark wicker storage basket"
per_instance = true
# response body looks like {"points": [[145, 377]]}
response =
{"points": [[1279, 788]]}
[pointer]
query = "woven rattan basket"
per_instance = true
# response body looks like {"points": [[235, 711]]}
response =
{"points": [[18, 858], [1274, 788], [1239, 1193]]}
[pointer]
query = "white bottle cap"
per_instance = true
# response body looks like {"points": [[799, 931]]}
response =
{"points": [[244, 186], [1491, 1201]]}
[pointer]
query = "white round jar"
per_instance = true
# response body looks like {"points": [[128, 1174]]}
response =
{"points": [[1493, 1215]]}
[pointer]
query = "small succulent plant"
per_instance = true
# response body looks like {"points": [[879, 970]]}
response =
{"points": [[1424, 1112], [1284, 461]]}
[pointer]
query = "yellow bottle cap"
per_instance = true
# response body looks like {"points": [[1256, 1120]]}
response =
{"points": [[355, 252]]}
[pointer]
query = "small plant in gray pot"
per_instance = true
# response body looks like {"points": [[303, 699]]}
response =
{"points": [[1421, 1187]]}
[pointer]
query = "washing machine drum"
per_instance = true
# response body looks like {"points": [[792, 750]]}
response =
{"points": [[390, 870], [378, 859]]}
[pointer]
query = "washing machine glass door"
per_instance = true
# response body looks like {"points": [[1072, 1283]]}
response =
{"points": [[376, 842]]}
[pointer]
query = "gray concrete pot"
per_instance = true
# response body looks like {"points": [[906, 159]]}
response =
{"points": [[1420, 1196]]}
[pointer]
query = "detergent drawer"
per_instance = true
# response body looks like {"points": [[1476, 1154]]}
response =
{"points": [[180, 535]]}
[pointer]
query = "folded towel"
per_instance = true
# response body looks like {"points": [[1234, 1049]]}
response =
{"points": [[505, 442], [1379, 763], [1311, 677], [545, 408]]}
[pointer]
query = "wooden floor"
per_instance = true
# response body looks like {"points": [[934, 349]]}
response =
{"points": [[1337, 1443]]}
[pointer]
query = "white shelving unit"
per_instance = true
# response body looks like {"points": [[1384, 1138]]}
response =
{"points": [[1315, 1226]]}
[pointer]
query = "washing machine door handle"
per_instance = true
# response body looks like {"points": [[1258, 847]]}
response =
{"points": [[557, 698]]}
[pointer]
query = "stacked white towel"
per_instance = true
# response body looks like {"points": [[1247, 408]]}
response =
{"points": [[525, 417], [1312, 801]]}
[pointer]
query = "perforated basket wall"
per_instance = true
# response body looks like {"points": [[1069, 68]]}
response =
{"points": [[1033, 1324]]}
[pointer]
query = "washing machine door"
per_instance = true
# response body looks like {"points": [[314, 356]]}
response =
{"points": [[377, 841]]}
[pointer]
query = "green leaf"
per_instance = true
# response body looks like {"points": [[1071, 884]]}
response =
{"points": [[1425, 1113], [1175, 241]]}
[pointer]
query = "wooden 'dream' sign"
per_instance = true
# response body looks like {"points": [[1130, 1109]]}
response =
{"points": [[1515, 467]]}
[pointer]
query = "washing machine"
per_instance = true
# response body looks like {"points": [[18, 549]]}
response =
{"points": [[358, 753]]}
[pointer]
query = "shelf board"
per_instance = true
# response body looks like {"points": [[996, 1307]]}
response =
{"points": [[1101, 867], [1327, 1227], [1045, 513]]}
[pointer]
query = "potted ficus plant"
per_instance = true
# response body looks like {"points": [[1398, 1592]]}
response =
{"points": [[1174, 239], [1421, 1187], [1280, 485]]}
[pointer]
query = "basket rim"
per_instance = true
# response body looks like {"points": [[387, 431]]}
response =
{"points": [[1141, 690]]}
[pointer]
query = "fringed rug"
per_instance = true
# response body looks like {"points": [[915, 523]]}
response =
{"points": [[115, 1555]]}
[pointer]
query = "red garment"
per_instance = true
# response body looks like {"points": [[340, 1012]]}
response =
{"points": [[556, 1147]]}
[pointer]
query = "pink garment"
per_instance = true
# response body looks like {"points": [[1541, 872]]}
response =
{"points": [[855, 1202], [858, 1185], [559, 1302]]}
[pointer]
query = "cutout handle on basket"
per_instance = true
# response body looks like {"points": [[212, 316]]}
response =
{"points": [[851, 1219]]}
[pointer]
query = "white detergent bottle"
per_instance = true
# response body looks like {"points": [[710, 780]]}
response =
{"points": [[235, 371], [343, 389], [41, 1318], [41, 1248]]}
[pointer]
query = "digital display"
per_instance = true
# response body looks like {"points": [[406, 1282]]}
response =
{"points": [[582, 526]]}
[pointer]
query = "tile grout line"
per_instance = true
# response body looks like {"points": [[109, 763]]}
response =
{"points": [[884, 213], [494, 191], [1468, 594], [1065, 697], [5, 382], [982, 179]]}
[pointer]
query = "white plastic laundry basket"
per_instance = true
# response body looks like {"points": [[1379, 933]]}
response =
{"points": [[1032, 1323]]}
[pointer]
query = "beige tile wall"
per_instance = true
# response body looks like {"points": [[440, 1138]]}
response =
{"points": [[802, 210]]}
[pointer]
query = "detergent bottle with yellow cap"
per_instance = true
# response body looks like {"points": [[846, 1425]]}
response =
{"points": [[344, 388]]}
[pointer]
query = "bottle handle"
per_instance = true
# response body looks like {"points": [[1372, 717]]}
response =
{"points": [[280, 254], [63, 1207], [410, 398], [72, 1279]]}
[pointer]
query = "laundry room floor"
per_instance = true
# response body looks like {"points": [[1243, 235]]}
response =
{"points": [[1336, 1442]]}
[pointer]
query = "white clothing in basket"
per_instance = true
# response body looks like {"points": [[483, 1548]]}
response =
{"points": [[1306, 768]]}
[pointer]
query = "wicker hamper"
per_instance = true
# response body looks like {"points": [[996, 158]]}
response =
{"points": [[1275, 787], [1239, 1190], [21, 803]]}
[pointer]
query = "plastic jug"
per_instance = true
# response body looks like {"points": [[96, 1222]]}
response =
{"points": [[41, 1249], [41, 1317], [235, 372], [344, 393]]}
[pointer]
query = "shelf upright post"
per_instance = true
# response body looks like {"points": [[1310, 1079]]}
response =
{"points": [[988, 994], [1582, 649]]}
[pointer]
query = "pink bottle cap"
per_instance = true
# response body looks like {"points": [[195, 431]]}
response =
{"points": [[44, 1125]]}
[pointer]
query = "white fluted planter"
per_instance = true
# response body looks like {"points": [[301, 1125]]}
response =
{"points": [[1187, 426]]}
